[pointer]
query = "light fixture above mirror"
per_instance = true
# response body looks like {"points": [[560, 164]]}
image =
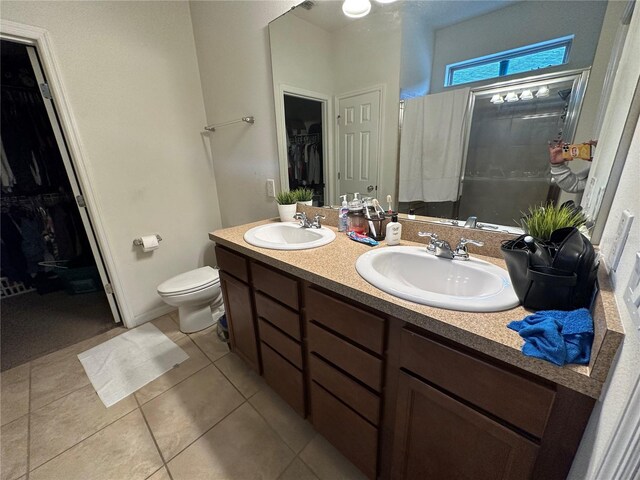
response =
{"points": [[359, 8], [356, 8]]}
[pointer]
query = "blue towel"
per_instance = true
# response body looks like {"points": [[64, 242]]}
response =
{"points": [[557, 336]]}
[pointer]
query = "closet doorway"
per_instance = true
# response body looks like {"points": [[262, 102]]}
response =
{"points": [[306, 163], [53, 277]]}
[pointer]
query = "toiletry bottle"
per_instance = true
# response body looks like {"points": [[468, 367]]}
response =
{"points": [[394, 231], [356, 221], [412, 214], [539, 255], [342, 217]]}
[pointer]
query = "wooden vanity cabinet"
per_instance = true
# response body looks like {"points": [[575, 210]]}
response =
{"points": [[399, 402], [277, 301], [346, 370], [238, 300], [452, 413]]}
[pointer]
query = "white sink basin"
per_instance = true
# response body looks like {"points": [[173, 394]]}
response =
{"points": [[288, 236], [413, 274]]}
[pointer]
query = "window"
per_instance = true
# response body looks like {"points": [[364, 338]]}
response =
{"points": [[523, 59]]}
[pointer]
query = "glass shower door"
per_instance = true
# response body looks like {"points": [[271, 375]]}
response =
{"points": [[507, 148]]}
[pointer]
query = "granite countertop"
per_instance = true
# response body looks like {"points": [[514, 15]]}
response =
{"points": [[333, 267]]}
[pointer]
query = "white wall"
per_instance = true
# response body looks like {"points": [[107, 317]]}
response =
{"points": [[232, 43], [521, 24], [301, 55], [417, 54], [131, 75], [624, 373]]}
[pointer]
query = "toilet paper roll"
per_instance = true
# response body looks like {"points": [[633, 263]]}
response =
{"points": [[150, 243]]}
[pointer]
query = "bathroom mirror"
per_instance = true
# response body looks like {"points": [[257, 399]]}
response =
{"points": [[416, 100]]}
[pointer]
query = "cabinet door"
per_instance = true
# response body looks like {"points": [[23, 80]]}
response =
{"points": [[438, 437], [242, 327]]}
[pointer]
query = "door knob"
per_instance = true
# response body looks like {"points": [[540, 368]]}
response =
{"points": [[370, 188]]}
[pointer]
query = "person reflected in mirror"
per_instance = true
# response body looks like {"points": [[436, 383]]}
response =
{"points": [[561, 174]]}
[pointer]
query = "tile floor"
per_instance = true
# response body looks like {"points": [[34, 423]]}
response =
{"points": [[209, 418]]}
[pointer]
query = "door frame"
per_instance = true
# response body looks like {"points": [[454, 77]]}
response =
{"points": [[381, 89], [327, 137], [40, 39]]}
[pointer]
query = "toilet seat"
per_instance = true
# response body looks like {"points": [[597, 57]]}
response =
{"points": [[190, 282]]}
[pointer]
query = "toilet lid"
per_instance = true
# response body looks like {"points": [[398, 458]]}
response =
{"points": [[190, 281]]}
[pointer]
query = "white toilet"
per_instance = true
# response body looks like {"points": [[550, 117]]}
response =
{"points": [[195, 293]]}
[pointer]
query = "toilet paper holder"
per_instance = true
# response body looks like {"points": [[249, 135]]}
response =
{"points": [[138, 241]]}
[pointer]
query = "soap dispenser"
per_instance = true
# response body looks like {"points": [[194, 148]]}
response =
{"points": [[356, 221], [342, 217], [394, 231]]}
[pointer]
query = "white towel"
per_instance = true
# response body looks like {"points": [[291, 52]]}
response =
{"points": [[122, 365], [431, 147]]}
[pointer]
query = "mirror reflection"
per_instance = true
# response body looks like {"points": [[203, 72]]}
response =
{"points": [[448, 107]]}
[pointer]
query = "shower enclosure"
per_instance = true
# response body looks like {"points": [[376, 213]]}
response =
{"points": [[506, 167]]}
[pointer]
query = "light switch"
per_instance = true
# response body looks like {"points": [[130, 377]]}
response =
{"points": [[271, 188]]}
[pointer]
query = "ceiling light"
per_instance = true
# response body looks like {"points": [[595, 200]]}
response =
{"points": [[356, 8], [526, 95], [497, 98], [543, 92], [511, 97]]}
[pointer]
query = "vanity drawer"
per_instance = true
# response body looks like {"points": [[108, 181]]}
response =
{"points": [[276, 285], [362, 365], [362, 327], [515, 399], [279, 315], [284, 378], [232, 263], [347, 431], [352, 393], [282, 344]]}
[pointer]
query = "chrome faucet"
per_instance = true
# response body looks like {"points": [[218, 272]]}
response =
{"points": [[433, 240], [471, 222], [442, 248], [461, 251], [305, 223]]}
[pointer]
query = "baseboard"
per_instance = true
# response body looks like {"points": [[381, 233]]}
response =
{"points": [[148, 316]]}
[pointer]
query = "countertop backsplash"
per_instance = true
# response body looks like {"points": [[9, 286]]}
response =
{"points": [[410, 228]]}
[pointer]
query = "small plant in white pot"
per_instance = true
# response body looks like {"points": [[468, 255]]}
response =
{"points": [[286, 206], [304, 195]]}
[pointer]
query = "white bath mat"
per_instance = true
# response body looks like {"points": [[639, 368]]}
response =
{"points": [[122, 365]]}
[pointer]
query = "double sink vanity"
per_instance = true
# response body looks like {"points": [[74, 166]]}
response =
{"points": [[412, 372]]}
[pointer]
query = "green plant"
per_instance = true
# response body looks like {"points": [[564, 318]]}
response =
{"points": [[286, 198], [542, 220], [303, 194]]}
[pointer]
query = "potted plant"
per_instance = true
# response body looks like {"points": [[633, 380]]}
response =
{"points": [[286, 205], [304, 195], [543, 220]]}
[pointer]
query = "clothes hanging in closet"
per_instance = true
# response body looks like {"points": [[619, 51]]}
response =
{"points": [[31, 165], [305, 160], [35, 230]]}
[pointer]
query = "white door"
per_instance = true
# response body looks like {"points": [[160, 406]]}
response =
{"points": [[359, 143], [75, 187]]}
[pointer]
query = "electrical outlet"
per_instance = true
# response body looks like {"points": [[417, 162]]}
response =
{"points": [[619, 239], [632, 294], [271, 188]]}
